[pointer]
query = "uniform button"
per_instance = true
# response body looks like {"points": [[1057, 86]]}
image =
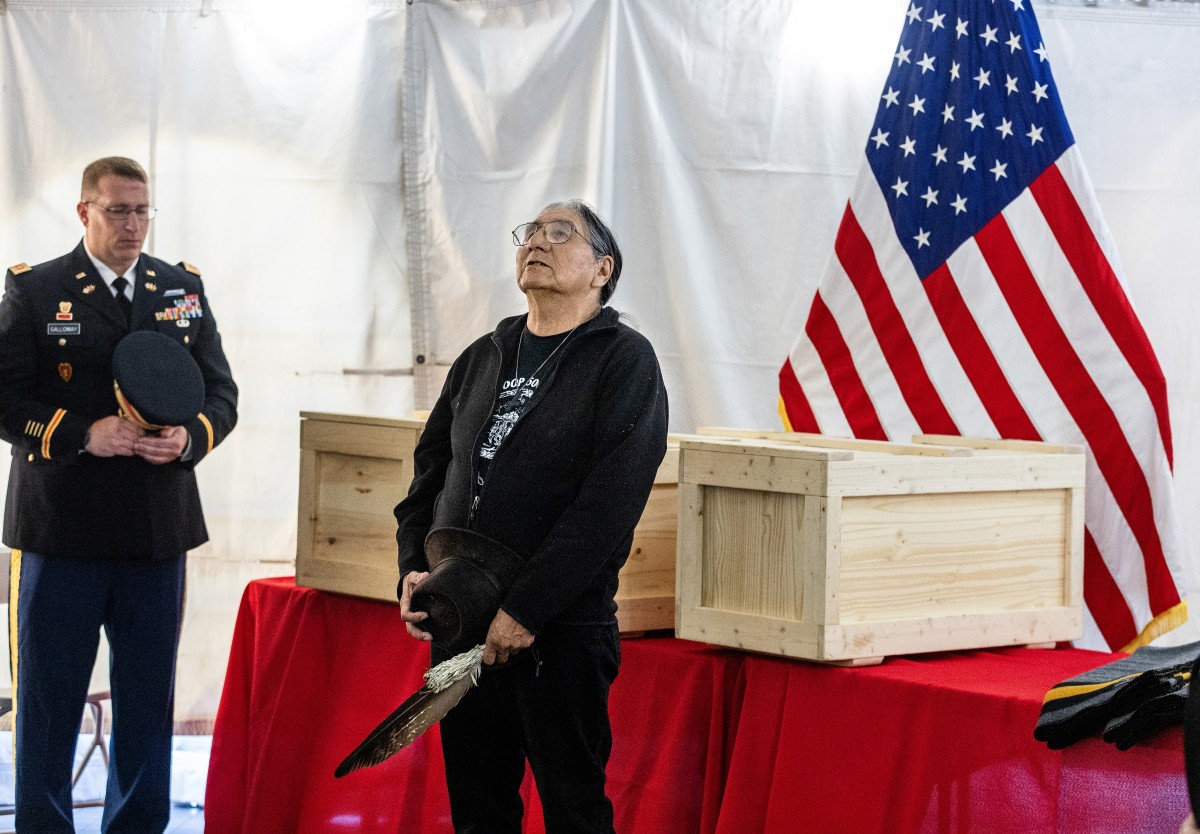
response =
{"points": [[186, 339], [62, 342], [31, 458]]}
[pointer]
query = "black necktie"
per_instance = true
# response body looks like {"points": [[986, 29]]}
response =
{"points": [[123, 301]]}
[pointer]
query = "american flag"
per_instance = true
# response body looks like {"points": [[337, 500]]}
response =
{"points": [[974, 289]]}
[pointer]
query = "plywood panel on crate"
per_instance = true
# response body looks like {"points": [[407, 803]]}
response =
{"points": [[754, 542], [960, 553]]}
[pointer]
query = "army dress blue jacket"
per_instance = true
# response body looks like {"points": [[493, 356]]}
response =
{"points": [[59, 326]]}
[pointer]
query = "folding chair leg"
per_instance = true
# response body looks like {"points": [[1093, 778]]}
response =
{"points": [[95, 704]]}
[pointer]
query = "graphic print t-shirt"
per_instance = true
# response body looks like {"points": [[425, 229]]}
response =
{"points": [[517, 387]]}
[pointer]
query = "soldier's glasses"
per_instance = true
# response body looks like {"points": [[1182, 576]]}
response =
{"points": [[121, 213]]}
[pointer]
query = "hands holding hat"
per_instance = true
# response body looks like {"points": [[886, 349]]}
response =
{"points": [[112, 436], [505, 636], [407, 585]]}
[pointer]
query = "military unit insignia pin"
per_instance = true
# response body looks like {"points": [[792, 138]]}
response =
{"points": [[79, 275], [89, 289], [151, 273], [64, 371], [64, 311], [151, 286]]}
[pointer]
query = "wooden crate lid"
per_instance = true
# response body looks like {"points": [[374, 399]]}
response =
{"points": [[362, 419], [819, 465], [932, 445]]}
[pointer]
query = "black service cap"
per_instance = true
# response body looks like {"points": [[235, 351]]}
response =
{"points": [[157, 381]]}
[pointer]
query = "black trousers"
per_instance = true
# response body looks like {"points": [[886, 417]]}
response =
{"points": [[548, 705], [61, 605]]}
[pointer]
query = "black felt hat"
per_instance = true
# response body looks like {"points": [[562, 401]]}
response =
{"points": [[469, 574], [157, 382]]}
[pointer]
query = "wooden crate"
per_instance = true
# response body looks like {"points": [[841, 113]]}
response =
{"points": [[355, 469], [353, 472], [646, 593], [848, 551]]}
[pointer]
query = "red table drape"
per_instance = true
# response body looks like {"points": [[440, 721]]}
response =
{"points": [[705, 739]]}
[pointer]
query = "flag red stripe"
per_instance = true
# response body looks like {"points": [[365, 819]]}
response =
{"points": [[1104, 598], [976, 357], [857, 258], [852, 395], [1070, 227], [795, 403], [1087, 406]]}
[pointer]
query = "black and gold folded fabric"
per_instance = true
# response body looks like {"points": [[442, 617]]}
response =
{"points": [[1084, 705], [1148, 717], [1191, 742]]}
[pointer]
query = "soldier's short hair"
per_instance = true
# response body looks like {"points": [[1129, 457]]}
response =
{"points": [[117, 166]]}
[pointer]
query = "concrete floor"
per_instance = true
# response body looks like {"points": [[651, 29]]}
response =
{"points": [[189, 769], [184, 820]]}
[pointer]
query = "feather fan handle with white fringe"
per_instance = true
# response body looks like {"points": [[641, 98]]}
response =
{"points": [[445, 685]]}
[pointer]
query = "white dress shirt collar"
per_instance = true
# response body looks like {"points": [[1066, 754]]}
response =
{"points": [[108, 275]]}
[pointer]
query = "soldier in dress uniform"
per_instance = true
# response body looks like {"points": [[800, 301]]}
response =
{"points": [[100, 512]]}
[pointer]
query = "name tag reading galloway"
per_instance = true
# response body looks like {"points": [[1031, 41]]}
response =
{"points": [[53, 329]]}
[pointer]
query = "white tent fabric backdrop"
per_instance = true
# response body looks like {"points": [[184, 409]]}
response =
{"points": [[346, 175]]}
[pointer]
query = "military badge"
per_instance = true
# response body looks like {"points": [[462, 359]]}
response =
{"points": [[151, 273], [20, 269], [64, 311], [79, 275], [184, 308], [150, 286], [65, 371], [89, 289], [182, 323]]}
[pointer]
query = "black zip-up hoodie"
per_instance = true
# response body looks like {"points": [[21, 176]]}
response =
{"points": [[568, 484]]}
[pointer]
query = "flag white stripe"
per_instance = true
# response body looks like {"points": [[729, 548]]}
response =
{"points": [[1001, 331], [1070, 165], [1111, 373], [1084, 328], [846, 306], [945, 372], [814, 380], [1115, 540]]}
